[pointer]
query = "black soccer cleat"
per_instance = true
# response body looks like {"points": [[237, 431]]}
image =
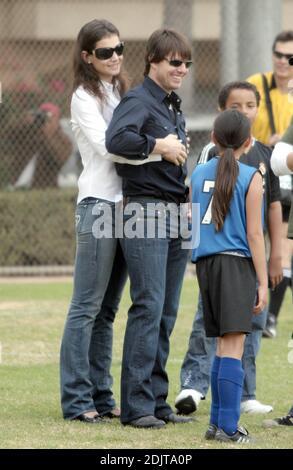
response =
{"points": [[211, 432], [241, 436]]}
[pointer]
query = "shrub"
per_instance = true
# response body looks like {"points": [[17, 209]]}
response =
{"points": [[37, 227]]}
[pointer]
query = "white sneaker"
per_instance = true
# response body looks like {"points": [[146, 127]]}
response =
{"points": [[187, 401], [254, 407]]}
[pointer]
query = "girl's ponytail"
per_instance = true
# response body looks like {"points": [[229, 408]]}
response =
{"points": [[231, 130]]}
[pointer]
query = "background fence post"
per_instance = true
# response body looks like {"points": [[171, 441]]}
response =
{"points": [[259, 22], [178, 15], [229, 41]]}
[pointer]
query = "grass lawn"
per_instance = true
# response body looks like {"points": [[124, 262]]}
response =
{"points": [[32, 316]]}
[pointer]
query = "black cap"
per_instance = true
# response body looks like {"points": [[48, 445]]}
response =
{"points": [[291, 60]]}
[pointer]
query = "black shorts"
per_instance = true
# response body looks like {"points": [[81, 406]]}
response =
{"points": [[285, 212], [228, 288]]}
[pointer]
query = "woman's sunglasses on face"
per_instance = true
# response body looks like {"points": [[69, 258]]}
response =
{"points": [[104, 53]]}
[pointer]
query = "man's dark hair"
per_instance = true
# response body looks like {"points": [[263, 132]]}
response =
{"points": [[238, 85], [163, 42], [284, 36]]}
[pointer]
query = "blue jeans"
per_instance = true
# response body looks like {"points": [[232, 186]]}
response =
{"points": [[196, 367], [156, 269], [86, 350]]}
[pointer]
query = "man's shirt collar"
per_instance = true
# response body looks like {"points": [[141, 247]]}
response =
{"points": [[161, 95]]}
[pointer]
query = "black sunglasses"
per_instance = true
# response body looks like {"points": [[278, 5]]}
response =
{"points": [[280, 55], [104, 53], [178, 63]]}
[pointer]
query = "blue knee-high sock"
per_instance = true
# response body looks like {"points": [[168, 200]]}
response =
{"points": [[230, 383], [214, 389]]}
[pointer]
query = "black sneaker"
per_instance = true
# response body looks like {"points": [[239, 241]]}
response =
{"points": [[284, 421], [187, 401], [270, 330], [211, 432], [241, 436]]}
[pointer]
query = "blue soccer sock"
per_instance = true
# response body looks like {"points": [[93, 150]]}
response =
{"points": [[230, 383], [214, 389]]}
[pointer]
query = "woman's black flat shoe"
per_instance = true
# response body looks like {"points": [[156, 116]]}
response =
{"points": [[114, 413], [89, 419]]}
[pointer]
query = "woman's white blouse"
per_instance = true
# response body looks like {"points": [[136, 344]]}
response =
{"points": [[90, 119]]}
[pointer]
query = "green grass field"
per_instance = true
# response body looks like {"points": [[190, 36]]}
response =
{"points": [[32, 316]]}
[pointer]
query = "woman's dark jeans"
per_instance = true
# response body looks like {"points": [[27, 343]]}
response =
{"points": [[86, 350]]}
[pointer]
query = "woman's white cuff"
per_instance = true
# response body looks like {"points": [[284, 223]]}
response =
{"points": [[279, 159]]}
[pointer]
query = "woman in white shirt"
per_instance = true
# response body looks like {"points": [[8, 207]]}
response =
{"points": [[100, 271]]}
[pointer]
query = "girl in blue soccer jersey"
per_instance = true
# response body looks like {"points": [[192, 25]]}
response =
{"points": [[229, 259]]}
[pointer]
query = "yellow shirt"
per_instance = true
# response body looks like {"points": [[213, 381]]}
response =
{"points": [[282, 110]]}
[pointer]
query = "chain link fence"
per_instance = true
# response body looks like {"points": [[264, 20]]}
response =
{"points": [[39, 160]]}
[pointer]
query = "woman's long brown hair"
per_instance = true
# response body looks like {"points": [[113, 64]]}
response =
{"points": [[84, 73], [231, 130]]}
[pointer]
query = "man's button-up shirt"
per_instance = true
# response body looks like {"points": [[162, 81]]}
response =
{"points": [[145, 114]]}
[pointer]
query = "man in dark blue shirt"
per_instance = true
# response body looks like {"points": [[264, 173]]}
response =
{"points": [[147, 125], [146, 115]]}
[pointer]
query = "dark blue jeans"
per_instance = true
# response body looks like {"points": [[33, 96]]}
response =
{"points": [[86, 350], [156, 269], [196, 367]]}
